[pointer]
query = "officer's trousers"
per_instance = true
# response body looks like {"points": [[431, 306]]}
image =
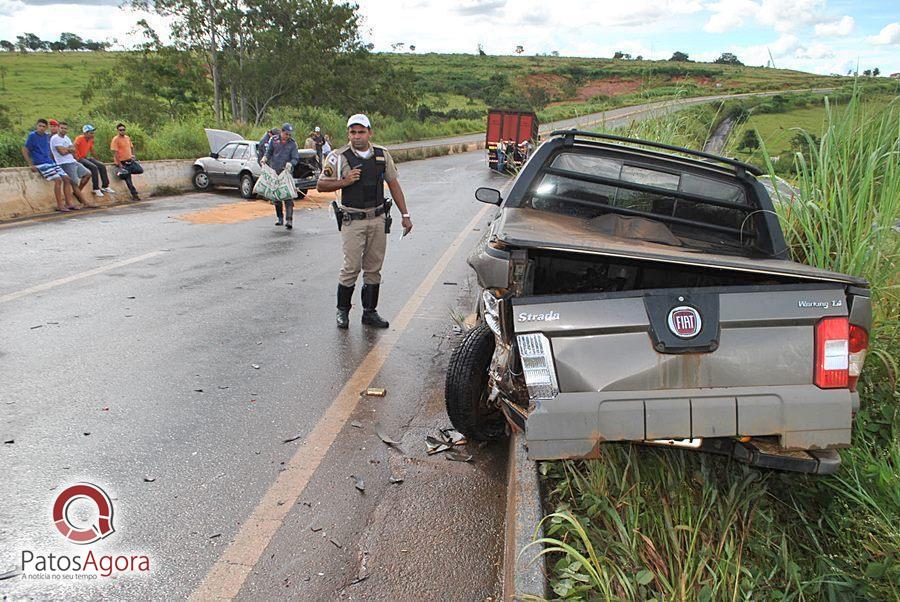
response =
{"points": [[364, 242]]}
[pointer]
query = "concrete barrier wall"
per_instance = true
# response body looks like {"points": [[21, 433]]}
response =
{"points": [[24, 193]]}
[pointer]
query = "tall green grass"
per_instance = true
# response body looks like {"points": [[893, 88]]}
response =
{"points": [[664, 524]]}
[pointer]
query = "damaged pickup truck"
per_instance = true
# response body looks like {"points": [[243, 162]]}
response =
{"points": [[636, 291]]}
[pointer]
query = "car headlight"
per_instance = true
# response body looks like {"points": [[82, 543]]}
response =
{"points": [[537, 365], [491, 311]]}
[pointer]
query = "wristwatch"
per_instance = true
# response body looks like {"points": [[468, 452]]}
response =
{"points": [[404, 215]]}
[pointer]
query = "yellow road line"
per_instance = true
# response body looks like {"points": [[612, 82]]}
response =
{"points": [[227, 575], [79, 276]]}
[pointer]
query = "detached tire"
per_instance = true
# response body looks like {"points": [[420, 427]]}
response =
{"points": [[466, 387]]}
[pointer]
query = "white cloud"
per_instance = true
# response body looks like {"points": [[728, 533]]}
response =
{"points": [[814, 51], [844, 27], [890, 34], [729, 14], [787, 15], [10, 7]]}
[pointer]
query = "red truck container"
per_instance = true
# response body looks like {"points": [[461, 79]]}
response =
{"points": [[511, 135]]}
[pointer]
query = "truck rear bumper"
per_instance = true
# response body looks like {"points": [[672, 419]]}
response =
{"points": [[803, 417]]}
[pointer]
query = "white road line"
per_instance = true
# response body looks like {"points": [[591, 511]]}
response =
{"points": [[80, 276]]}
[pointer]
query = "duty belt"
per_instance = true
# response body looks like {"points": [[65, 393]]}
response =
{"points": [[353, 215]]}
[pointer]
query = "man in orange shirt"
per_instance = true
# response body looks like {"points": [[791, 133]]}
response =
{"points": [[123, 155], [84, 153]]}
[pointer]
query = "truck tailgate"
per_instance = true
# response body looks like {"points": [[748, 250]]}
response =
{"points": [[748, 371]]}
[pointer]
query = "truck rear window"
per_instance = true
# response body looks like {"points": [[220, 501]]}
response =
{"points": [[696, 209]]}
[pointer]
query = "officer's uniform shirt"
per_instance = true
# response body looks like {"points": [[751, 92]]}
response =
{"points": [[337, 168]]}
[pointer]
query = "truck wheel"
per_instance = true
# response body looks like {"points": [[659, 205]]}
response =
{"points": [[466, 388], [246, 186]]}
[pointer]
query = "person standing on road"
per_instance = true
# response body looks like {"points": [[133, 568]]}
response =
{"points": [[359, 170], [64, 154], [36, 152], [282, 154], [84, 154], [263, 144], [123, 155], [318, 142]]}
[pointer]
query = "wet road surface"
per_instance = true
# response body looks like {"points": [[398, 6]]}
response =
{"points": [[166, 358]]}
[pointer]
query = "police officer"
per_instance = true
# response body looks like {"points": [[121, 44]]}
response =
{"points": [[359, 170], [282, 155]]}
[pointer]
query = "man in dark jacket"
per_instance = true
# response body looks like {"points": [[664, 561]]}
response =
{"points": [[263, 143], [282, 155]]}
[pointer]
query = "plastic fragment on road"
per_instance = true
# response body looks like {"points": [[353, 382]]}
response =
{"points": [[387, 440], [456, 456], [356, 424], [294, 438], [255, 366], [149, 479], [395, 480], [435, 446], [359, 483], [375, 392], [444, 440]]}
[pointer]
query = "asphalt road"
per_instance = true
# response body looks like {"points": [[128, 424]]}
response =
{"points": [[115, 373]]}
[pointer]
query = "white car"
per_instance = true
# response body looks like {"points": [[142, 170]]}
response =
{"points": [[233, 162]]}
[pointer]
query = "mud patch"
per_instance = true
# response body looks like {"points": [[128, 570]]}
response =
{"points": [[233, 213]]}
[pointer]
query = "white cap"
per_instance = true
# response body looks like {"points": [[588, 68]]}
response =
{"points": [[359, 119], [318, 129]]}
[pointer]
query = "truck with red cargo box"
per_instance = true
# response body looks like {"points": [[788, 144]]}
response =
{"points": [[511, 136]]}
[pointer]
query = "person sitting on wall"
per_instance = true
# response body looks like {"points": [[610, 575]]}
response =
{"points": [[84, 154], [36, 152]]}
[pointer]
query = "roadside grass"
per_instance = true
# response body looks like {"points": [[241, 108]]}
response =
{"points": [[666, 524]]}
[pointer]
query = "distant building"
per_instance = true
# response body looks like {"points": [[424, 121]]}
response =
{"points": [[895, 75]]}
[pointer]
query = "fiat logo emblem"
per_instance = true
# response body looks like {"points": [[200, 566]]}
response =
{"points": [[685, 322]]}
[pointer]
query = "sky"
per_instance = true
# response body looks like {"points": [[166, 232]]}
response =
{"points": [[819, 36]]}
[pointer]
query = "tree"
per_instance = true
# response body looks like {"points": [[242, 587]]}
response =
{"points": [[867, 73], [398, 46], [150, 84], [726, 58], [7, 46], [520, 49], [56, 46], [71, 41], [639, 57], [618, 54], [481, 50], [680, 57], [412, 47], [96, 46], [876, 72], [29, 41], [554, 53], [750, 140]]}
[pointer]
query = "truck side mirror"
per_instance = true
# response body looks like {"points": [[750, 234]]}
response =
{"points": [[488, 195]]}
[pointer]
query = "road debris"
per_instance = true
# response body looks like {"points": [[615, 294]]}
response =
{"points": [[456, 456], [359, 580], [87, 433], [375, 392], [149, 479], [451, 283], [444, 440], [356, 424], [255, 366], [38, 326], [315, 529], [395, 480], [214, 535], [9, 441], [198, 390], [390, 442], [336, 543], [359, 483], [294, 438]]}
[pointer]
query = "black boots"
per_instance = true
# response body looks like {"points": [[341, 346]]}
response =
{"points": [[344, 297], [279, 213], [370, 316]]}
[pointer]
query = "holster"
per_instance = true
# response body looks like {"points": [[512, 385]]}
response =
{"points": [[338, 214]]}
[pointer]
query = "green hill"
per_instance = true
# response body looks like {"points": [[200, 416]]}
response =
{"points": [[50, 84]]}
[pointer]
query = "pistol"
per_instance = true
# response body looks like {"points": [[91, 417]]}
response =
{"points": [[338, 214]]}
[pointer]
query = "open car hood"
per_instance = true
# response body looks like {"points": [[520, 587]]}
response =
{"points": [[219, 138], [530, 228]]}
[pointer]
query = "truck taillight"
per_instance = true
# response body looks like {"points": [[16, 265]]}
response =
{"points": [[832, 353], [858, 344]]}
